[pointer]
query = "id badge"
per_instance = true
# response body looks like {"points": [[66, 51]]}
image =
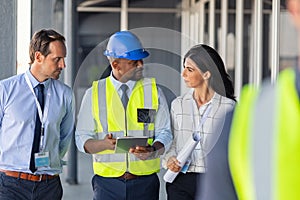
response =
{"points": [[145, 115], [42, 159], [185, 166]]}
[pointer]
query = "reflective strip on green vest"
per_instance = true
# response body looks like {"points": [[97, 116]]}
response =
{"points": [[95, 108], [145, 95], [265, 142], [263, 133]]}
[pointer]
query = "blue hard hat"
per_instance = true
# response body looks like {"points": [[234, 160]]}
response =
{"points": [[125, 44]]}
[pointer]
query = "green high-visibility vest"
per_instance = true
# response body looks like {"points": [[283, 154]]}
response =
{"points": [[111, 117], [264, 144]]}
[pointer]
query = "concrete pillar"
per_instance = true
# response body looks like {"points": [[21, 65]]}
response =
{"points": [[8, 38]]}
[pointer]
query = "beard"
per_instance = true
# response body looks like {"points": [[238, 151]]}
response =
{"points": [[56, 75], [134, 75], [137, 75]]}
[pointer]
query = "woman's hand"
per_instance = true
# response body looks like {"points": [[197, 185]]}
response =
{"points": [[173, 164]]}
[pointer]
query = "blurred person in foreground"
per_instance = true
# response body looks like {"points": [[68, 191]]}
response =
{"points": [[124, 105], [260, 159], [201, 110], [36, 123]]}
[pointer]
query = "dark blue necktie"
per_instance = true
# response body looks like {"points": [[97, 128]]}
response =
{"points": [[38, 127], [124, 97]]}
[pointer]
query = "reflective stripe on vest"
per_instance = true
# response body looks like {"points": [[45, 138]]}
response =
{"points": [[265, 142], [106, 98], [262, 142]]}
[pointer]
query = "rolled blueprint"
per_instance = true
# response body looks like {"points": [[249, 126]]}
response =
{"points": [[183, 155]]}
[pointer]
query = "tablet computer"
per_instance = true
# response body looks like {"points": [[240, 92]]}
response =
{"points": [[123, 144]]}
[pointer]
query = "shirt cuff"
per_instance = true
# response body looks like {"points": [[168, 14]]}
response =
{"points": [[81, 138]]}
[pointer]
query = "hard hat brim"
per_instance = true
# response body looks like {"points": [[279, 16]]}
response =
{"points": [[132, 55]]}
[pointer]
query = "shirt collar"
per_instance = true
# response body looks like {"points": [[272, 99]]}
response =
{"points": [[35, 82], [118, 84]]}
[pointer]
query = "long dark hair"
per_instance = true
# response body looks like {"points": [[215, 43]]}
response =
{"points": [[208, 59]]}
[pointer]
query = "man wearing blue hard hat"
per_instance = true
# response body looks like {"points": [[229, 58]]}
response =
{"points": [[124, 105]]}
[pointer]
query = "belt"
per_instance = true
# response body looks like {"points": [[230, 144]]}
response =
{"points": [[128, 176], [27, 176]]}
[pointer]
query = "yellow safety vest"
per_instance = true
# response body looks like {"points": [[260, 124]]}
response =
{"points": [[264, 145], [109, 115]]}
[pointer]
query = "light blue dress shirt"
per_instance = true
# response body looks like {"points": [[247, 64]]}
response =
{"points": [[17, 123], [85, 128]]}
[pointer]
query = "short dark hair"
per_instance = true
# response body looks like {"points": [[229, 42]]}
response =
{"points": [[40, 42]]}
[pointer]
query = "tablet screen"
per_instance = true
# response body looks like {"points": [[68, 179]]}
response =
{"points": [[123, 144]]}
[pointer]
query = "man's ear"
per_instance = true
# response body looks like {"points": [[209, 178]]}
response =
{"points": [[114, 65], [38, 56]]}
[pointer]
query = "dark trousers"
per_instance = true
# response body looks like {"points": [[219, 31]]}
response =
{"points": [[18, 189], [143, 188], [184, 187]]}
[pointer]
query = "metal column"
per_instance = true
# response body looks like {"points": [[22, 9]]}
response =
{"points": [[185, 40], [275, 40], [194, 16], [70, 21], [124, 15], [42, 14], [212, 14], [224, 22], [257, 43], [201, 21], [238, 81]]}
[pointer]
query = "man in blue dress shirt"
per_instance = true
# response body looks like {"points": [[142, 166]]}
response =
{"points": [[20, 109]]}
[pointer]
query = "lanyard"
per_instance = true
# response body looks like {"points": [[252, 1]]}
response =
{"points": [[42, 116], [203, 119]]}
